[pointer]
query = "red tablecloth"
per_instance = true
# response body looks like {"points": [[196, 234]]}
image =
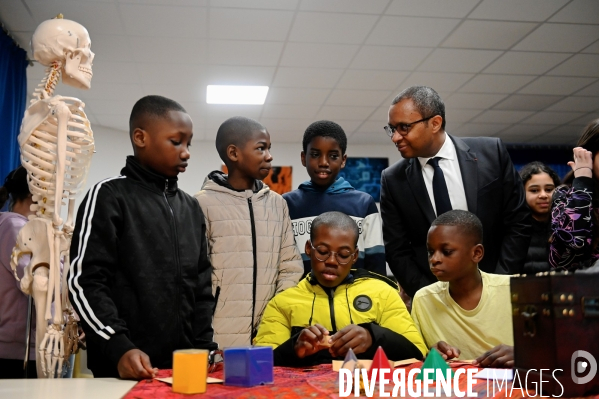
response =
{"points": [[316, 382]]}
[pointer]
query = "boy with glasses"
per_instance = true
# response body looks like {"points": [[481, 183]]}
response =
{"points": [[336, 308]]}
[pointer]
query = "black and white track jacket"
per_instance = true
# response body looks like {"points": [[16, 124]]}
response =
{"points": [[139, 274]]}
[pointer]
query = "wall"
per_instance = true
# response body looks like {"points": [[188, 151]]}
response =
{"points": [[112, 146]]}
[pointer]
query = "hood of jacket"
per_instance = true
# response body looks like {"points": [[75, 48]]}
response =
{"points": [[219, 181], [339, 186]]}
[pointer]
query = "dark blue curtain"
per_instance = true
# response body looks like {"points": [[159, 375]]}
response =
{"points": [[13, 98]]}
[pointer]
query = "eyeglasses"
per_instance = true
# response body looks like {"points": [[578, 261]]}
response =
{"points": [[403, 128], [215, 359], [322, 254]]}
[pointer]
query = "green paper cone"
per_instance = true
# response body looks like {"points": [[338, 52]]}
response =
{"points": [[434, 361]]}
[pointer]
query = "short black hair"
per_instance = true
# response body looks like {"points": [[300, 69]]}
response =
{"points": [[156, 106], [325, 129], [15, 185], [237, 131], [426, 100], [334, 219], [468, 223], [536, 167]]}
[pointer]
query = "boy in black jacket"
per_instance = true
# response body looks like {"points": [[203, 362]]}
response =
{"points": [[140, 276]]}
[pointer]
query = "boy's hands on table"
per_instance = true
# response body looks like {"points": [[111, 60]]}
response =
{"points": [[311, 340], [500, 356], [353, 336], [135, 365], [446, 350]]}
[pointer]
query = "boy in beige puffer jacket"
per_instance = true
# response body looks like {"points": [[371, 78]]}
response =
{"points": [[250, 239]]}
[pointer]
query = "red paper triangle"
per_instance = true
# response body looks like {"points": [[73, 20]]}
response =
{"points": [[380, 361]]}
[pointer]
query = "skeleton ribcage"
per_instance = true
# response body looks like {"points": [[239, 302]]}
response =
{"points": [[39, 153]]}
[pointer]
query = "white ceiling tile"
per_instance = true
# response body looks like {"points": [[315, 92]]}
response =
{"points": [[479, 129], [578, 12], [553, 118], [488, 34], [225, 52], [496, 83], [296, 96], [165, 49], [525, 63], [113, 121], [461, 115], [279, 124], [344, 113], [143, 20], [591, 90], [218, 113], [593, 48], [113, 107], [578, 65], [289, 111], [114, 72], [348, 126], [171, 73], [307, 77], [373, 127], [371, 80], [179, 93], [108, 91], [498, 116], [567, 132], [95, 16], [348, 6], [194, 3], [556, 85], [237, 24], [458, 60], [438, 80], [559, 38], [432, 8], [389, 58], [517, 10], [284, 136], [369, 138], [357, 97], [331, 28], [113, 48], [527, 130], [474, 100], [318, 55], [574, 104], [239, 75], [411, 31], [265, 4], [19, 20], [380, 115], [526, 102]]}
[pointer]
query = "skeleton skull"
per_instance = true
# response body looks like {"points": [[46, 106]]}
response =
{"points": [[68, 42]]}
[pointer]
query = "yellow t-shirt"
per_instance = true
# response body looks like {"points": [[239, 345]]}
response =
{"points": [[473, 332]]}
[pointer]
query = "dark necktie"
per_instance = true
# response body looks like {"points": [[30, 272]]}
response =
{"points": [[440, 193]]}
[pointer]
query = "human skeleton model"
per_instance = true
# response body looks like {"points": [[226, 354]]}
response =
{"points": [[56, 148]]}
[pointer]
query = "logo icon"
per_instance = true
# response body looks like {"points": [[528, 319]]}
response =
{"points": [[579, 366], [363, 303]]}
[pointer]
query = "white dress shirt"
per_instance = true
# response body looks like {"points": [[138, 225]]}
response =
{"points": [[453, 176]]}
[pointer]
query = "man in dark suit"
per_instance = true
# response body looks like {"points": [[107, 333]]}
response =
{"points": [[440, 172]]}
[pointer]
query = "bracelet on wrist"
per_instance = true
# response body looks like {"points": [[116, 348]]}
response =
{"points": [[583, 167]]}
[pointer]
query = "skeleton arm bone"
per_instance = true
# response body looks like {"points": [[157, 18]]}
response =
{"points": [[63, 115]]}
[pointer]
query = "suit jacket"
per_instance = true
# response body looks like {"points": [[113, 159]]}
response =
{"points": [[494, 193]]}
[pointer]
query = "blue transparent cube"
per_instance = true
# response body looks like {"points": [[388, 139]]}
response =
{"points": [[248, 366]]}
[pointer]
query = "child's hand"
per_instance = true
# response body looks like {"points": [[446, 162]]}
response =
{"points": [[500, 356], [355, 337], [446, 350], [135, 365], [309, 340], [583, 162]]}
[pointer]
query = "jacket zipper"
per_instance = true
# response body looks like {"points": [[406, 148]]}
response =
{"points": [[177, 263], [253, 332], [332, 309]]}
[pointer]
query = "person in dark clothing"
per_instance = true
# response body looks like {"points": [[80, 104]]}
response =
{"points": [[140, 275], [336, 307], [539, 182]]}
